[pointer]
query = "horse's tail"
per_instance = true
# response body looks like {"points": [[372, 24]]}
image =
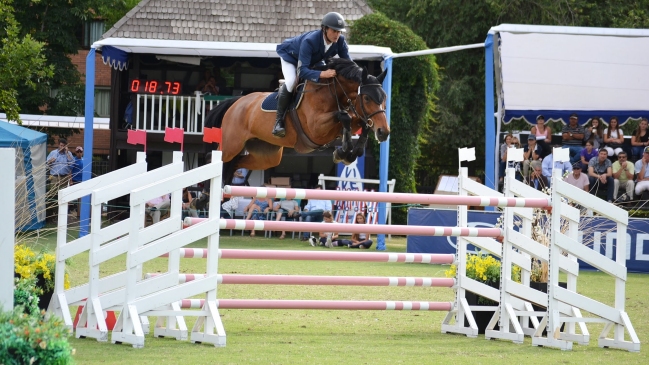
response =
{"points": [[214, 117]]}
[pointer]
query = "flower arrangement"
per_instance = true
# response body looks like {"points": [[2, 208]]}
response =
{"points": [[484, 268], [41, 266]]}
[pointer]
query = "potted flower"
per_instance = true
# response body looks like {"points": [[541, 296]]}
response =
{"points": [[484, 268], [38, 265]]}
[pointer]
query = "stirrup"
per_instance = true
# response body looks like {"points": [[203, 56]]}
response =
{"points": [[278, 130]]}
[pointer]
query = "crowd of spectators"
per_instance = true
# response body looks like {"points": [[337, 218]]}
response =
{"points": [[600, 161]]}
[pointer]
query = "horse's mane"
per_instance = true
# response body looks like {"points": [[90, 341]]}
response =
{"points": [[345, 68]]}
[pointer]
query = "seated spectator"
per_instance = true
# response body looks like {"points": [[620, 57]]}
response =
{"points": [[548, 165], [531, 152], [623, 172], [586, 155], [188, 197], [230, 206], [572, 136], [156, 205], [578, 179], [312, 212], [239, 178], [642, 180], [640, 140], [613, 138], [601, 175], [361, 240], [594, 133], [329, 239], [543, 135], [257, 210], [286, 207], [537, 180], [503, 154]]}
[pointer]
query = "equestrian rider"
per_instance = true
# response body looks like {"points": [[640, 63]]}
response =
{"points": [[302, 53]]}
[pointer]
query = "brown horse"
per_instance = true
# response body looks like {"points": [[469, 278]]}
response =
{"points": [[328, 110]]}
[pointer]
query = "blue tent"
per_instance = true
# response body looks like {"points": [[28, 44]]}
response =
{"points": [[30, 148]]}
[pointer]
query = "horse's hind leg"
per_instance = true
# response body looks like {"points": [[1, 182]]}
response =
{"points": [[261, 155]]}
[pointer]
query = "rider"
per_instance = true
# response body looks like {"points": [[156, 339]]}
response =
{"points": [[305, 51]]}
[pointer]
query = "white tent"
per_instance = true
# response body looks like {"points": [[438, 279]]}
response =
{"points": [[556, 71]]}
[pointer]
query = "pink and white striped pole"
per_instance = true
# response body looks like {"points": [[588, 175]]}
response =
{"points": [[423, 258], [320, 280], [242, 224], [483, 201], [319, 304]]}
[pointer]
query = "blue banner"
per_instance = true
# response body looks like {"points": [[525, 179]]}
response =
{"points": [[597, 233]]}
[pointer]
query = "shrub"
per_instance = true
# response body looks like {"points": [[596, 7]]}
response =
{"points": [[41, 266], [33, 339], [26, 295]]}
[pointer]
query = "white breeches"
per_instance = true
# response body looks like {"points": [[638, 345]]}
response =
{"points": [[290, 75]]}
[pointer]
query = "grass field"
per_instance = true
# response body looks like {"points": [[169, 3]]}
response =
{"points": [[348, 337]]}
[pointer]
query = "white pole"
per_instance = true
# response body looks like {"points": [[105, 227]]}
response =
{"points": [[7, 212]]}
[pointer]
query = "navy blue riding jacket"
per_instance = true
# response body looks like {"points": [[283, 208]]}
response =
{"points": [[307, 50]]}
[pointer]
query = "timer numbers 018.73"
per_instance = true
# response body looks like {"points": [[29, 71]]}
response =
{"points": [[155, 87]]}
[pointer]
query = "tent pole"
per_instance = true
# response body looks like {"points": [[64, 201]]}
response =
{"points": [[490, 127], [384, 156]]}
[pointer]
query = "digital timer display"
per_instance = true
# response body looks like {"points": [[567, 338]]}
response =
{"points": [[155, 87]]}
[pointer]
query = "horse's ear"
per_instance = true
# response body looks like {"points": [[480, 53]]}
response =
{"points": [[364, 76], [382, 76]]}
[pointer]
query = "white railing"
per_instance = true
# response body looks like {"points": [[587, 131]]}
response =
{"points": [[154, 113]]}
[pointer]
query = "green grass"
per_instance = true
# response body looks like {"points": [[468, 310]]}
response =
{"points": [[349, 337]]}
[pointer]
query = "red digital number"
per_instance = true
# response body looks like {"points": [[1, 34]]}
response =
{"points": [[176, 88], [135, 85], [153, 86], [168, 84]]}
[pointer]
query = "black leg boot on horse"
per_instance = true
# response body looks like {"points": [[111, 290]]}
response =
{"points": [[344, 154], [283, 100]]}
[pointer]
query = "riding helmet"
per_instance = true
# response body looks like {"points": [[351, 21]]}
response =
{"points": [[334, 21]]}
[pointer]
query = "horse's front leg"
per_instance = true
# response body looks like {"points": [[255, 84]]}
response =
{"points": [[341, 153]]}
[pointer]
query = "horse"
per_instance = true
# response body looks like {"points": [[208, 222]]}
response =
{"points": [[328, 109]]}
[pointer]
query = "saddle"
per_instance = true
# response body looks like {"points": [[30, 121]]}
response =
{"points": [[269, 104]]}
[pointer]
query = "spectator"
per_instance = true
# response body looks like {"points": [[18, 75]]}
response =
{"points": [[329, 239], [595, 134], [239, 178], [640, 140], [77, 168], [537, 180], [586, 155], [288, 207], [230, 206], [360, 240], [531, 152], [600, 174], [613, 137], [203, 201], [156, 205], [503, 154], [188, 198], [207, 74], [543, 136], [642, 180], [623, 175], [313, 211], [210, 87], [573, 135], [549, 164], [257, 210], [60, 163], [578, 179]]}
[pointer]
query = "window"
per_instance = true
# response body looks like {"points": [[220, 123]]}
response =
{"points": [[92, 32], [102, 102]]}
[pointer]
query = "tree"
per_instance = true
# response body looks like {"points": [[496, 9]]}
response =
{"points": [[459, 116], [22, 60], [414, 83]]}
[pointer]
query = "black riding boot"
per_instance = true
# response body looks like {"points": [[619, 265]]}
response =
{"points": [[283, 99]]}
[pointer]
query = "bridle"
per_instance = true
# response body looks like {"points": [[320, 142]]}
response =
{"points": [[366, 118]]}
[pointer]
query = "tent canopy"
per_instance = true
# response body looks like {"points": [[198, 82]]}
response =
{"points": [[30, 171], [13, 136], [556, 71]]}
